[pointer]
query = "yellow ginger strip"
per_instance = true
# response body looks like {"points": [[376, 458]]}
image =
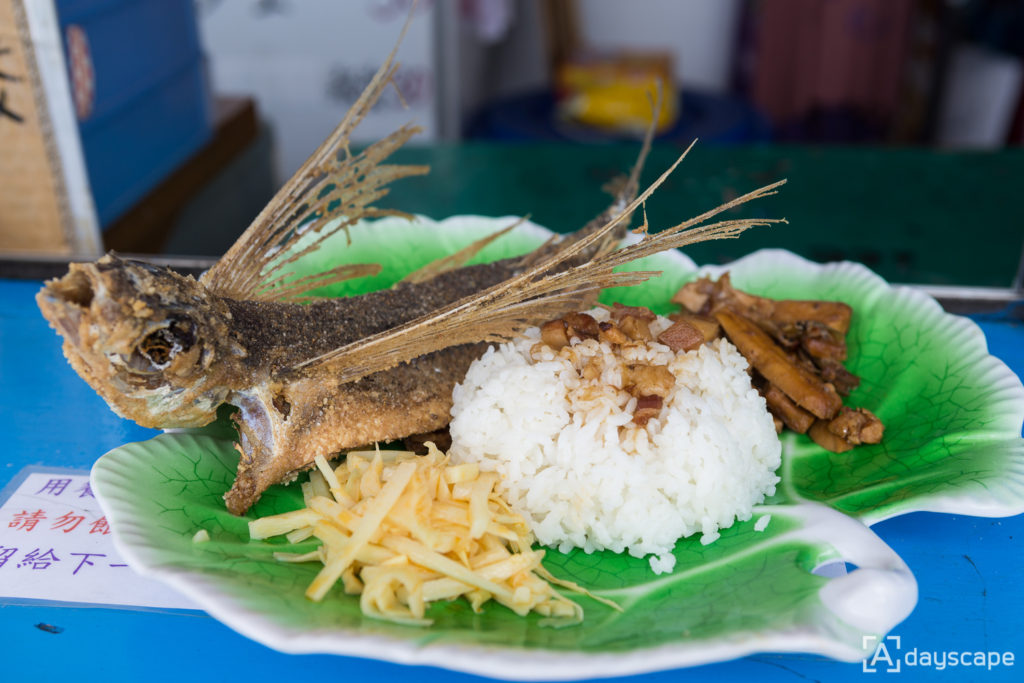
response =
{"points": [[370, 480], [380, 599], [451, 513], [510, 566], [299, 535], [307, 491], [489, 556], [479, 513], [428, 533], [447, 588], [403, 531], [575, 587], [333, 537], [312, 556], [426, 557], [318, 484], [456, 474], [361, 534], [265, 527], [503, 532], [329, 509], [331, 482], [326, 472]]}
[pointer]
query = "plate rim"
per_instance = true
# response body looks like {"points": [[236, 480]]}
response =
{"points": [[653, 659], [509, 663]]}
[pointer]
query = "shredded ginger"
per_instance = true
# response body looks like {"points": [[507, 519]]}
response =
{"points": [[402, 531]]}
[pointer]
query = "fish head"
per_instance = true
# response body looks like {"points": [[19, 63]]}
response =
{"points": [[153, 343]]}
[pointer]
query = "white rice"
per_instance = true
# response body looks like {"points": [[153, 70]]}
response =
{"points": [[584, 475]]}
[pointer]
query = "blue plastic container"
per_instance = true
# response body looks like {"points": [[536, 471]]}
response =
{"points": [[142, 93]]}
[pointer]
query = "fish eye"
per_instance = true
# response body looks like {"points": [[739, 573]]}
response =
{"points": [[157, 349]]}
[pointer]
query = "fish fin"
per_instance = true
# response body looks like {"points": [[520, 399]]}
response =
{"points": [[535, 256], [535, 294], [459, 258], [285, 288], [624, 190], [333, 190]]}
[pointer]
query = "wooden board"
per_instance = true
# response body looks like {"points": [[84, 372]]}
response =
{"points": [[37, 210]]}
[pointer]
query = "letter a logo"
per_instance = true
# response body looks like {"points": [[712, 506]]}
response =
{"points": [[881, 654]]}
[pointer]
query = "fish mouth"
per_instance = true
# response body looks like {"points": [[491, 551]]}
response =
{"points": [[65, 300]]}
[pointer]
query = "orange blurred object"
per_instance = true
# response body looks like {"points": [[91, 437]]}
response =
{"points": [[616, 92]]}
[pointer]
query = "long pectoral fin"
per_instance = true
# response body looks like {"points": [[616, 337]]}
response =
{"points": [[332, 190], [459, 258], [500, 312]]}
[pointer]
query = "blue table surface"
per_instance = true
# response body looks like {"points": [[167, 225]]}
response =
{"points": [[968, 569]]}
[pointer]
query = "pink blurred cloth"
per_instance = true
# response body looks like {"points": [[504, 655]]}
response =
{"points": [[814, 54]]}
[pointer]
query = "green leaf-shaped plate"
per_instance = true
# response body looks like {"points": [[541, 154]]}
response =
{"points": [[953, 418]]}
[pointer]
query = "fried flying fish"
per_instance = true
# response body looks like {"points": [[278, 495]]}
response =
{"points": [[314, 376]]}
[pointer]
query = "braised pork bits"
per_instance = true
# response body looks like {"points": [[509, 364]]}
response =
{"points": [[649, 384], [796, 350]]}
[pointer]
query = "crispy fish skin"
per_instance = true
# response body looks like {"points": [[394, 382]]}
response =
{"points": [[278, 336], [288, 417], [120, 317], [283, 427]]}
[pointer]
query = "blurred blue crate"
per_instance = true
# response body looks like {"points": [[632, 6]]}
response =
{"points": [[139, 85]]}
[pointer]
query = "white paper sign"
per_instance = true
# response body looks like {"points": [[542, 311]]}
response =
{"points": [[55, 545]]}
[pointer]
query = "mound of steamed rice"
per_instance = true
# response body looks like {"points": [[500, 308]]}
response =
{"points": [[584, 475]]}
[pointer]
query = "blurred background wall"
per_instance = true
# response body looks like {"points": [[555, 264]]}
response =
{"points": [[166, 126], [927, 72]]}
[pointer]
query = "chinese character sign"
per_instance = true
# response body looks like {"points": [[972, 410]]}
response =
{"points": [[8, 78], [55, 544]]}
